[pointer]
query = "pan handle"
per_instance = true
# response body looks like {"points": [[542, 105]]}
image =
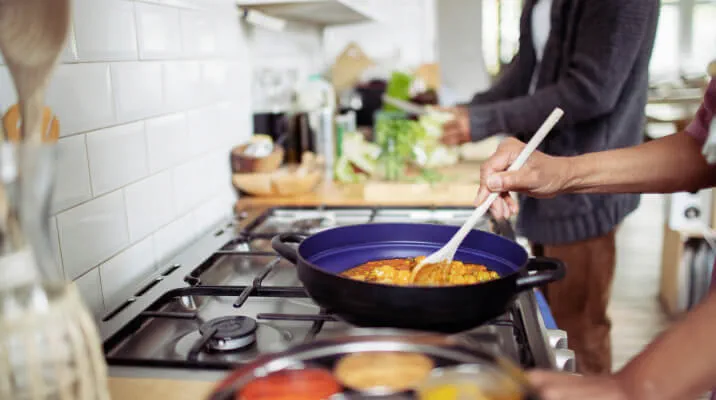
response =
{"points": [[280, 243], [547, 270]]}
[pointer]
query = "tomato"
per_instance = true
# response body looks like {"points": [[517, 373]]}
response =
{"points": [[306, 384]]}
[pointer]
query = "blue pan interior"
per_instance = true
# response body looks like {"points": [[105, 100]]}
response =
{"points": [[339, 249]]}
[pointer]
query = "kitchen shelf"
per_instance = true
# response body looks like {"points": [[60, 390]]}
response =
{"points": [[315, 12]]}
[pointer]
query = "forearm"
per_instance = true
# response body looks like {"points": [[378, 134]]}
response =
{"points": [[681, 363], [665, 165]]}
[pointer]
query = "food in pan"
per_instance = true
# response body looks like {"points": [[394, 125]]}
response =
{"points": [[383, 372], [397, 272], [305, 384]]}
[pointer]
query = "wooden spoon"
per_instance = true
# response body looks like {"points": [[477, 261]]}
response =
{"points": [[445, 254], [32, 36]]}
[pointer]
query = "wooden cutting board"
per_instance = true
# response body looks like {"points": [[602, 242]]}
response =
{"points": [[461, 182], [460, 191]]}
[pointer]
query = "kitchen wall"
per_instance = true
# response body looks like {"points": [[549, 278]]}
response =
{"points": [[151, 96], [459, 49], [408, 40], [287, 56], [304, 49]]}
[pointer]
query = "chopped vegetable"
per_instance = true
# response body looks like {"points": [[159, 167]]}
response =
{"points": [[400, 143], [436, 154], [358, 160], [433, 122]]}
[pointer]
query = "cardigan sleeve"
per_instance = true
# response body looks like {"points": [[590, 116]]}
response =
{"points": [[609, 37], [508, 84]]}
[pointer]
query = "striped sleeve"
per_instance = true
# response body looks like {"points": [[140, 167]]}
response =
{"points": [[699, 127]]}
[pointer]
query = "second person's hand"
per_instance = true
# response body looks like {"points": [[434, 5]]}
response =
{"points": [[562, 386], [541, 176], [457, 130]]}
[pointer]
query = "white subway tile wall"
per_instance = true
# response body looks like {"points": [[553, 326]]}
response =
{"points": [[183, 87], [81, 96], [104, 30], [165, 130], [158, 29], [126, 268], [117, 156], [55, 242], [72, 185], [149, 104], [137, 90], [150, 204], [92, 232], [166, 238], [91, 288]]}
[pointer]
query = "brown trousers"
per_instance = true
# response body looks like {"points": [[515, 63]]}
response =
{"points": [[579, 301]]}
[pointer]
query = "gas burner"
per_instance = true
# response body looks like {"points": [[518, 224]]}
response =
{"points": [[230, 333], [268, 340]]}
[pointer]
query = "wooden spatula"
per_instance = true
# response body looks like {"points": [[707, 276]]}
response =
{"points": [[32, 36]]}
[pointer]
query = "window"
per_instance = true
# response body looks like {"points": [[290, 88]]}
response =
{"points": [[500, 32], [703, 37], [685, 39], [666, 43]]}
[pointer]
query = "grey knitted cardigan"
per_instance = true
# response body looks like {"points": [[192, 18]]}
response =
{"points": [[595, 67]]}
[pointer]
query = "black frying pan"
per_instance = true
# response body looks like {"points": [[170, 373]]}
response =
{"points": [[320, 258]]}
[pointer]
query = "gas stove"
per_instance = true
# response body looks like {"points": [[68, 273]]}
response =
{"points": [[228, 298]]}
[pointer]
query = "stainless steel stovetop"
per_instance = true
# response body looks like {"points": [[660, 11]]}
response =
{"points": [[182, 323]]}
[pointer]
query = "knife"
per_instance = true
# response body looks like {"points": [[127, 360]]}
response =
{"points": [[406, 106]]}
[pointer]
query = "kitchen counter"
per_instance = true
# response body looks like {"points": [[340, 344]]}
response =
{"points": [[378, 194], [460, 191], [152, 389]]}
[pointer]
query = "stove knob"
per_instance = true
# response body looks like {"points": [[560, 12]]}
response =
{"points": [[564, 360], [557, 338]]}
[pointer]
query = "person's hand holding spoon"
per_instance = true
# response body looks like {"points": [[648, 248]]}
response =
{"points": [[446, 254]]}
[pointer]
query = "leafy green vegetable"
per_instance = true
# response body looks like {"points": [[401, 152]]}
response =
{"points": [[404, 134], [404, 142], [400, 142], [398, 88]]}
